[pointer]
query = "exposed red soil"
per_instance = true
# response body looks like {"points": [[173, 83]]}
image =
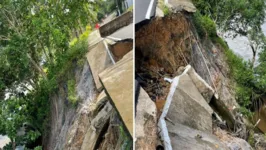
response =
{"points": [[120, 49]]}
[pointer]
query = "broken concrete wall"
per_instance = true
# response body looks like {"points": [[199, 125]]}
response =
{"points": [[184, 105], [99, 60], [116, 24], [186, 121], [117, 81], [186, 138]]}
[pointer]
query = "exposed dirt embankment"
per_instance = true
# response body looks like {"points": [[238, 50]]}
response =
{"points": [[121, 48], [163, 42], [162, 46]]}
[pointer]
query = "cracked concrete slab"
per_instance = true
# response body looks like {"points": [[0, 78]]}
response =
{"points": [[99, 60], [117, 81]]}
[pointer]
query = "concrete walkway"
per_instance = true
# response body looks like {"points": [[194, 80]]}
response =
{"points": [[123, 33]]}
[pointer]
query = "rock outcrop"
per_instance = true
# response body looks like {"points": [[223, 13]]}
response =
{"points": [[231, 142]]}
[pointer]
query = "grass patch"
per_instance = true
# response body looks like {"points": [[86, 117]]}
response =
{"points": [[166, 10], [130, 8], [205, 26], [242, 74], [72, 96], [127, 142]]}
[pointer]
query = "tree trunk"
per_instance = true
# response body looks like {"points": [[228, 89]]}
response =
{"points": [[13, 144], [117, 5], [49, 50], [76, 33], [37, 67], [80, 30], [254, 51]]}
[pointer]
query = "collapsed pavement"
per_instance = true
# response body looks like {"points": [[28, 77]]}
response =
{"points": [[187, 83], [98, 121], [111, 63]]}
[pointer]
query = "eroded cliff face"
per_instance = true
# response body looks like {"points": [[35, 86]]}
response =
{"points": [[164, 47], [166, 44], [92, 123]]}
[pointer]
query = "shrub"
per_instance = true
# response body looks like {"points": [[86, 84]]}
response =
{"points": [[72, 96], [166, 10], [204, 25]]}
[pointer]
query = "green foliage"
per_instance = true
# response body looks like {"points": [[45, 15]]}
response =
{"points": [[127, 142], [38, 148], [83, 36], [130, 8], [260, 70], [204, 25], [36, 35], [105, 8], [237, 16], [72, 96], [242, 73], [19, 110], [166, 10], [251, 139], [243, 17]]}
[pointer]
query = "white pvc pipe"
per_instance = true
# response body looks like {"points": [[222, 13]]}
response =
{"points": [[162, 124]]}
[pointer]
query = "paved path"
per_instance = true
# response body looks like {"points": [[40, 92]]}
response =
{"points": [[124, 33]]}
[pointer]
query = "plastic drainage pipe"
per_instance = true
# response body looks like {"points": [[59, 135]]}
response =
{"points": [[162, 124]]}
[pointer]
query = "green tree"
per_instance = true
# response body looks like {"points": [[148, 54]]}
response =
{"points": [[34, 47]]}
